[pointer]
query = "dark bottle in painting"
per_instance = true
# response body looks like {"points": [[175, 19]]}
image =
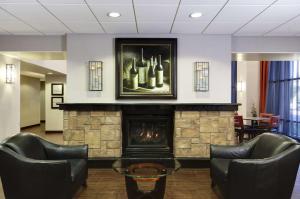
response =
{"points": [[159, 72], [151, 75], [142, 70], [134, 75]]}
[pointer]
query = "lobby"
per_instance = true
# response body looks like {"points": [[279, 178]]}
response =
{"points": [[156, 87]]}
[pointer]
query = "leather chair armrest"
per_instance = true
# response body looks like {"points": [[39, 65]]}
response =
{"points": [[50, 179], [60, 152], [232, 152], [264, 178]]}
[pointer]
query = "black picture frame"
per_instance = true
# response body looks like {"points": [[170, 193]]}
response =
{"points": [[127, 48], [55, 100], [57, 89]]}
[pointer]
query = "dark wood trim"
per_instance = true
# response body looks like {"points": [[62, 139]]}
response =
{"points": [[50, 132], [185, 162], [43, 121], [128, 106], [30, 126]]}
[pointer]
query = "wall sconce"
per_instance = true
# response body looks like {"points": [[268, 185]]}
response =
{"points": [[10, 73], [95, 75], [201, 76], [241, 86]]}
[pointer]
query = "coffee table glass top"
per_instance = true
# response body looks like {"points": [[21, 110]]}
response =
{"points": [[146, 168]]}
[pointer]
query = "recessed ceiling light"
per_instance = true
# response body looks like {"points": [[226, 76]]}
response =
{"points": [[49, 73], [113, 14], [195, 15]]}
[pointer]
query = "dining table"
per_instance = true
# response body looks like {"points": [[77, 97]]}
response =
{"points": [[255, 120]]}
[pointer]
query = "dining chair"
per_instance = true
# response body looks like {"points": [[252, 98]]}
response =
{"points": [[241, 129], [274, 123], [267, 121]]}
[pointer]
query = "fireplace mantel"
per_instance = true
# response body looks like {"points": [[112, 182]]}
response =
{"points": [[174, 106]]}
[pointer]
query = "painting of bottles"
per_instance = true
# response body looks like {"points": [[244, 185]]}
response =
{"points": [[146, 68]]}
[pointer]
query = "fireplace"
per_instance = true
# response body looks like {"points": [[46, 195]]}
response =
{"points": [[147, 133]]}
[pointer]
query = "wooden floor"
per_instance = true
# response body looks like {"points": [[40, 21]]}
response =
{"points": [[107, 184]]}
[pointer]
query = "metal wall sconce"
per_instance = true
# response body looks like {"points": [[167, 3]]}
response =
{"points": [[10, 73], [201, 78], [95, 75]]}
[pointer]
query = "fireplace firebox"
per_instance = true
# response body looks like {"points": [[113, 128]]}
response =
{"points": [[147, 133]]}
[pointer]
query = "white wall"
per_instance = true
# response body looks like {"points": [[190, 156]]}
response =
{"points": [[191, 48], [54, 117], [42, 101], [248, 72], [9, 100], [30, 101], [266, 44], [32, 43]]}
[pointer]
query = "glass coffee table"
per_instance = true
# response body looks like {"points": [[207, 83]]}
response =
{"points": [[141, 170]]}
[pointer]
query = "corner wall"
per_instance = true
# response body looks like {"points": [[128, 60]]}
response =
{"points": [[54, 117], [9, 100], [30, 101]]}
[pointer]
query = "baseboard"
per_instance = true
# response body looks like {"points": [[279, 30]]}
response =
{"points": [[30, 126], [51, 132], [185, 162]]}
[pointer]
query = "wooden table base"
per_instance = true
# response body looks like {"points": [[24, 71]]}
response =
{"points": [[133, 191]]}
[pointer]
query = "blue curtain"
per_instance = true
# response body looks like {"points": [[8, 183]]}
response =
{"points": [[233, 81], [283, 97]]}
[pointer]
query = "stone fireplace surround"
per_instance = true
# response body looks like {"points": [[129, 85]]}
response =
{"points": [[196, 126]]}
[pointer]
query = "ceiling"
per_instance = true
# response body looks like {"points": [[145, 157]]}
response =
{"points": [[234, 17]]}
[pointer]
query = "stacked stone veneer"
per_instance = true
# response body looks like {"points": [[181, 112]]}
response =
{"points": [[194, 131], [101, 130]]}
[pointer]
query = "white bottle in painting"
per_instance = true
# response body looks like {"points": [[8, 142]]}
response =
{"points": [[134, 75], [159, 72], [142, 70], [151, 75]]}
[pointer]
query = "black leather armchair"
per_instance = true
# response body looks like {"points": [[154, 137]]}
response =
{"points": [[263, 168], [33, 168]]}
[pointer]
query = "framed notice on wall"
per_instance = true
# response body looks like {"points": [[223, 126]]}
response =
{"points": [[55, 101], [57, 89]]}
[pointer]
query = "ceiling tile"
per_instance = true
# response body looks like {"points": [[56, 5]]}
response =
{"points": [[16, 1], [85, 27], [287, 2], [50, 28], [256, 28], [62, 1], [122, 27], [223, 27], [154, 27], [208, 13], [238, 14], [278, 14], [155, 13], [17, 27], [108, 2], [127, 14], [203, 2], [4, 16], [290, 28], [29, 12], [250, 2], [72, 12], [188, 27], [156, 2]]}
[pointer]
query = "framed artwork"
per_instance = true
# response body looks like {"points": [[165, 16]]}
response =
{"points": [[146, 68], [55, 100], [57, 89]]}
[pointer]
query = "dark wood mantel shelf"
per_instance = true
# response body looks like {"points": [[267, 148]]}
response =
{"points": [[133, 106]]}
